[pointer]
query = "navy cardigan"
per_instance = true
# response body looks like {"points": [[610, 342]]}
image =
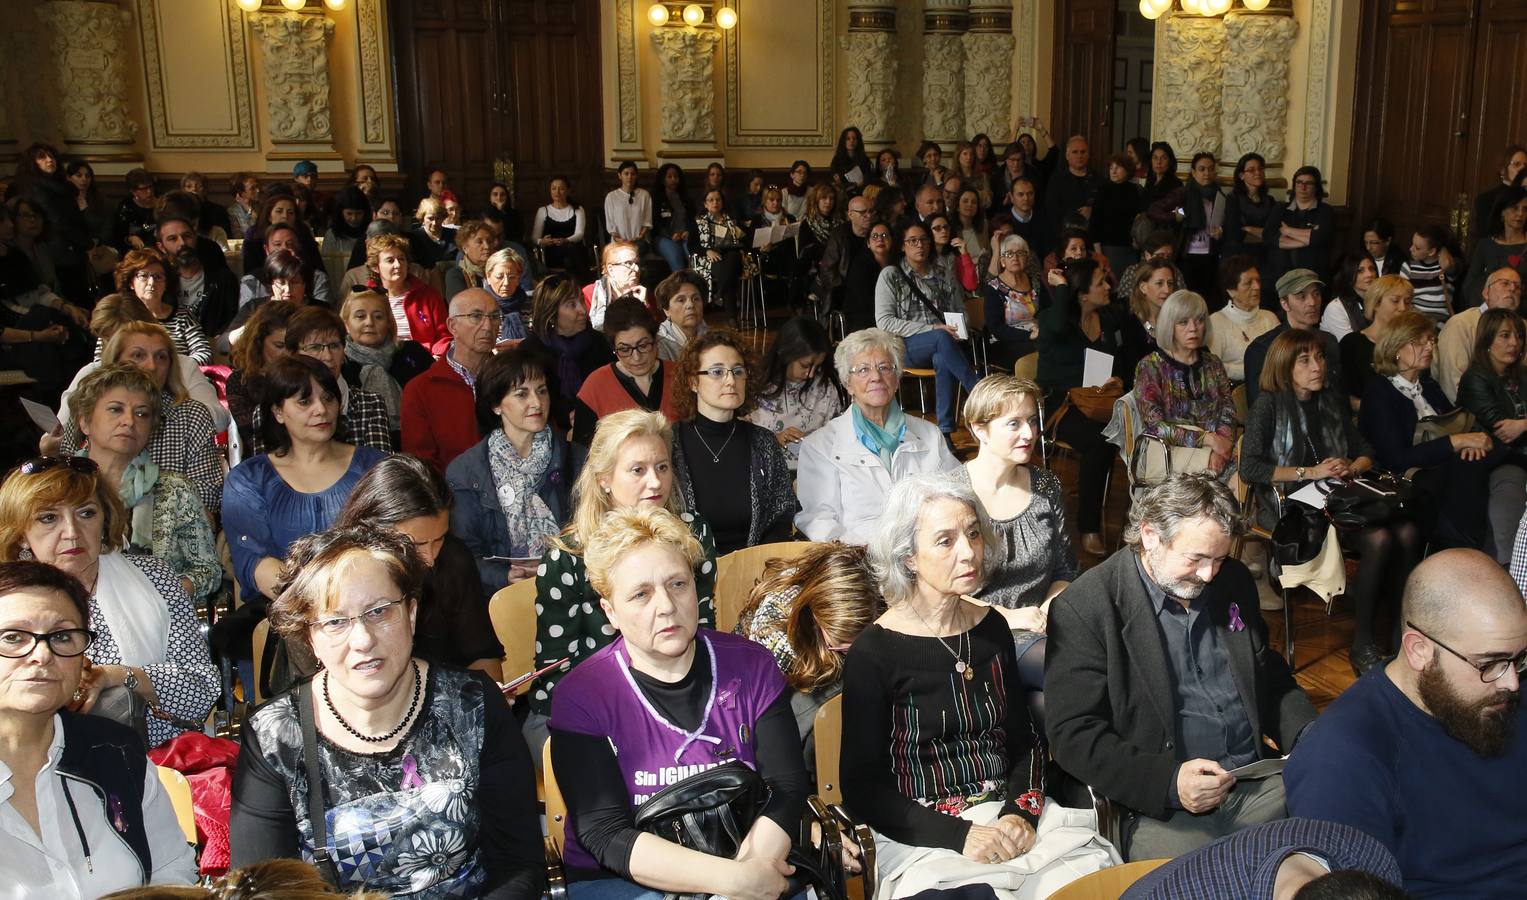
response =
{"points": [[1388, 420]]}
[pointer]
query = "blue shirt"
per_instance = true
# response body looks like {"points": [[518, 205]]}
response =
{"points": [[1456, 821]]}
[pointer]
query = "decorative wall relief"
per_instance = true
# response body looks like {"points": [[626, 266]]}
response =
{"points": [[871, 71], [628, 97], [87, 52], [231, 80], [780, 34], [296, 76], [1189, 96], [944, 24], [374, 104], [989, 48], [1256, 88], [1316, 74], [687, 60]]}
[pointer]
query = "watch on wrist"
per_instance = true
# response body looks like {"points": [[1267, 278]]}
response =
{"points": [[131, 681], [1299, 473]]}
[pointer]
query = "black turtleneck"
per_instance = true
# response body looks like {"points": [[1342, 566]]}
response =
{"points": [[719, 457]]}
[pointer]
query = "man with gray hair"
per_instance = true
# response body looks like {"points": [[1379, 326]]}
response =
{"points": [[439, 405], [1160, 682], [844, 244]]}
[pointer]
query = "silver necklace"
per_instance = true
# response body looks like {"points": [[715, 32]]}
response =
{"points": [[715, 455], [960, 665]]}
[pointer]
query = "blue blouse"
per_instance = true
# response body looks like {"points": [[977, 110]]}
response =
{"points": [[263, 515]]}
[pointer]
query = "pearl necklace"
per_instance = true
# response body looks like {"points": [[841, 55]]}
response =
{"points": [[381, 738]]}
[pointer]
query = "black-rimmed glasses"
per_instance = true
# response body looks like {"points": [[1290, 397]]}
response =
{"points": [[643, 347], [16, 643], [1491, 670]]}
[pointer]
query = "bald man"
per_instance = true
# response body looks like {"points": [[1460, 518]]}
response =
{"points": [[1070, 193], [844, 244], [929, 200], [1428, 754], [438, 417]]}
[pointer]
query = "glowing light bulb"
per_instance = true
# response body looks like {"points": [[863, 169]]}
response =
{"points": [[335, 5], [249, 5], [1255, 5], [726, 17], [294, 5], [1216, 7], [1191, 6], [1148, 10], [1159, 7], [657, 14], [693, 14]]}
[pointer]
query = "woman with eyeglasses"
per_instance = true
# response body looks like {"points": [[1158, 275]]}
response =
{"points": [[145, 273], [319, 332], [1302, 233], [149, 665], [411, 776], [503, 272], [637, 379], [863, 275], [952, 253], [1011, 300], [622, 277], [375, 360], [717, 251], [799, 392], [716, 451], [560, 332], [76, 782]]}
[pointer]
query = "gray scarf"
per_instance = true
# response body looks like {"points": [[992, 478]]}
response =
{"points": [[1290, 429], [515, 480], [381, 357]]}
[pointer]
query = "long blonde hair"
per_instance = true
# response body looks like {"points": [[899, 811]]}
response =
{"points": [[835, 593], [590, 501]]}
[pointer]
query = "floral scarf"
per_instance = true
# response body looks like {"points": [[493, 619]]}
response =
{"points": [[515, 480]]}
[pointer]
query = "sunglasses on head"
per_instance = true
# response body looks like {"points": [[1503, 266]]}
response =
{"points": [[82, 464]]}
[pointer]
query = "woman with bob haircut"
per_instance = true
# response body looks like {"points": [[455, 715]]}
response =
{"points": [[668, 695], [503, 279], [1299, 431], [1181, 389], [560, 331], [681, 297], [425, 788], [375, 360], [148, 641], [1386, 298], [1493, 388], [319, 332], [716, 450], [475, 242], [416, 307], [511, 487], [629, 464], [147, 275], [77, 782]]}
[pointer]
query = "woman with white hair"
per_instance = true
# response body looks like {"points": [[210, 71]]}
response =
{"points": [[933, 711], [1012, 299], [502, 275], [848, 466], [1182, 389]]}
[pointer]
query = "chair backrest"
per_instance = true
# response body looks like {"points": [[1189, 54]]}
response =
{"points": [[975, 313], [179, 791], [738, 571], [258, 640], [1108, 884], [556, 807], [1238, 400], [513, 613], [1027, 367], [827, 734]]}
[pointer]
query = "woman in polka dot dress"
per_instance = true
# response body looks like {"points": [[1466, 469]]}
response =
{"points": [[629, 464]]}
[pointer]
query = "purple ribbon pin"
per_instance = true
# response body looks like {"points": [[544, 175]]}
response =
{"points": [[411, 777], [114, 807], [1235, 618]]}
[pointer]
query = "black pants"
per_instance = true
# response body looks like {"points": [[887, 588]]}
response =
{"points": [[724, 275], [1386, 554], [1086, 437]]}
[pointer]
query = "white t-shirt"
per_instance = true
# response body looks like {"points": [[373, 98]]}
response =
{"points": [[625, 215]]}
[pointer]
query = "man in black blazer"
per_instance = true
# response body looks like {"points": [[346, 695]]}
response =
{"points": [[1159, 679]]}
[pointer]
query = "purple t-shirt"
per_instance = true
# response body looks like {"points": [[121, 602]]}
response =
{"points": [[600, 698]]}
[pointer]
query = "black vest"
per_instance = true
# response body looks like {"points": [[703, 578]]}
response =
{"points": [[109, 758]]}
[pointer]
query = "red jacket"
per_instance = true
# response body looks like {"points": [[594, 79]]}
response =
{"points": [[439, 417], [427, 316]]}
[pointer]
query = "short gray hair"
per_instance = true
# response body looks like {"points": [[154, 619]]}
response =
{"points": [[502, 257], [1179, 307], [863, 341], [1013, 241], [895, 539], [1180, 498]]}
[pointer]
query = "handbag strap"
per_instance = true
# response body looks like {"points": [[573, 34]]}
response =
{"points": [[321, 858], [911, 282]]}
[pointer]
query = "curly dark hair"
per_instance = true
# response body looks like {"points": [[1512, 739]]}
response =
{"points": [[688, 367]]}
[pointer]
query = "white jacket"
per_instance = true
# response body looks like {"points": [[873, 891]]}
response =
{"points": [[843, 487]]}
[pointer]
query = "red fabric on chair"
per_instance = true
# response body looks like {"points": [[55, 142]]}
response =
{"points": [[207, 763]]}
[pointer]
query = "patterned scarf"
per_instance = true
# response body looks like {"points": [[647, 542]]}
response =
{"points": [[1291, 430], [514, 479], [137, 493], [881, 441], [470, 271]]}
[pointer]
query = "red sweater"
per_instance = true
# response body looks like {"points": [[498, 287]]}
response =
{"points": [[439, 417], [427, 315], [604, 394]]}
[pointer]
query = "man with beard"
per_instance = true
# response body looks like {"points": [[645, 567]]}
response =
{"points": [[1159, 679], [210, 294], [1428, 753]]}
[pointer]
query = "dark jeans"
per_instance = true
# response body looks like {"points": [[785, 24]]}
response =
{"points": [[1086, 437], [940, 351], [724, 276]]}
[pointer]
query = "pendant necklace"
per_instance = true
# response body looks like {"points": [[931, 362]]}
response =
{"points": [[961, 667], [715, 456]]}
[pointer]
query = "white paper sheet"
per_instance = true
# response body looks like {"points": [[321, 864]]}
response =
{"points": [[43, 416], [1262, 768], [1312, 494], [958, 321], [1097, 367]]}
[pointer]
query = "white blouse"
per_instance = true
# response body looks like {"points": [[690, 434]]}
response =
{"points": [[53, 864]]}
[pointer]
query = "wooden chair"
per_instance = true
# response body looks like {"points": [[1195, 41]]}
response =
{"points": [[975, 323], [513, 613], [1238, 400], [827, 803], [1255, 533], [1027, 367], [556, 828], [738, 571], [1109, 884], [179, 791], [921, 377], [257, 641]]}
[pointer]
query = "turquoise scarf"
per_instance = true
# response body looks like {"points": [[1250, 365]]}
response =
{"points": [[881, 441]]}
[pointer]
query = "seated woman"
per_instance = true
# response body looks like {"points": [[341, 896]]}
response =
{"points": [[629, 465], [76, 781], [148, 641], [1032, 558], [117, 408], [1181, 389], [637, 379], [621, 276], [351, 213], [646, 704], [799, 393], [863, 275], [375, 360], [511, 486], [502, 280], [430, 235], [821, 218], [1455, 468], [681, 297], [952, 254], [1012, 300], [261, 342], [1387, 297], [965, 787], [1081, 319], [183, 439], [426, 789], [779, 258], [475, 242], [406, 494], [559, 229], [849, 466], [1492, 389], [560, 332], [1344, 310], [807, 611], [146, 275], [1299, 431], [1144, 287], [416, 307], [283, 276], [298, 484], [716, 451], [716, 251], [319, 332], [278, 209], [672, 217], [1242, 320]]}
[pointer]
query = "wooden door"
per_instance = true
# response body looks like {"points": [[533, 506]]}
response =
{"points": [[1081, 99], [1498, 116]]}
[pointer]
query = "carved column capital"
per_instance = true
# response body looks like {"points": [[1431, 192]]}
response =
{"points": [[88, 54], [871, 68], [687, 67], [295, 49], [1189, 94], [1256, 85], [944, 22], [871, 15]]}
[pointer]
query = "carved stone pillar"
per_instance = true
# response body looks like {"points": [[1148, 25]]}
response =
{"points": [[687, 70], [297, 115], [1189, 92], [944, 24], [870, 48], [989, 70], [88, 51], [1256, 88]]}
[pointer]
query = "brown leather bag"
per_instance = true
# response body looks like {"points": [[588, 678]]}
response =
{"points": [[1096, 403]]}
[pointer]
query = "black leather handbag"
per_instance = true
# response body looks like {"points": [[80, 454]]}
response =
{"points": [[1374, 498], [1299, 534]]}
